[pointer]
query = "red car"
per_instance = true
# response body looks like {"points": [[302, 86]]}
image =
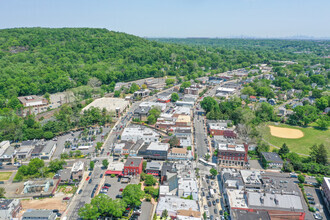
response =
{"points": [[105, 187], [108, 153], [121, 189], [87, 178], [66, 198]]}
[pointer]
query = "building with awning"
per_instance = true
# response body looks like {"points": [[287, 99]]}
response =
{"points": [[110, 172]]}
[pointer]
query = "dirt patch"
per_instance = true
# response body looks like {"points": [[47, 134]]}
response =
{"points": [[47, 203], [289, 133]]}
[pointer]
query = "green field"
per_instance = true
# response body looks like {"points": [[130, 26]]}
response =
{"points": [[301, 145], [5, 175]]}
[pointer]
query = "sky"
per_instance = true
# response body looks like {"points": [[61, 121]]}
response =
{"points": [[176, 18]]}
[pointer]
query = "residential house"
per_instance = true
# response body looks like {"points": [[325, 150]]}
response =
{"points": [[253, 98], [272, 101], [77, 170], [65, 176], [263, 100]]}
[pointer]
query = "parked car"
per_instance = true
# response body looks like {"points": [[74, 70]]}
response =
{"points": [[213, 202], [310, 198], [101, 175], [209, 203], [90, 173], [217, 200], [317, 216], [119, 196], [121, 189], [80, 191], [90, 180], [66, 198], [107, 184], [215, 211], [311, 202]]}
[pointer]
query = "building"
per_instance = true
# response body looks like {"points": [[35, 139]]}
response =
{"points": [[188, 187], [189, 98], [271, 160], [141, 93], [179, 154], [3, 147], [142, 113], [230, 179], [183, 120], [9, 208], [161, 106], [39, 214], [224, 92], [251, 179], [48, 150], [155, 151], [64, 175], [326, 192], [135, 133], [154, 168], [8, 155], [37, 151], [115, 105], [185, 104], [122, 148], [263, 100], [164, 97], [32, 101], [24, 152], [253, 98], [232, 154], [175, 205], [77, 170], [133, 166]]}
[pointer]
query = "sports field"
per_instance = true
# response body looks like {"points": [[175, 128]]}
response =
{"points": [[298, 139]]}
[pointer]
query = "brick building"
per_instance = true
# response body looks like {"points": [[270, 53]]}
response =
{"points": [[133, 166], [232, 154]]}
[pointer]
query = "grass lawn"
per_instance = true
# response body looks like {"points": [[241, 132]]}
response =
{"points": [[5, 175], [301, 145]]}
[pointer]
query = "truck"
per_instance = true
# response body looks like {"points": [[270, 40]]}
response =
{"points": [[212, 193]]}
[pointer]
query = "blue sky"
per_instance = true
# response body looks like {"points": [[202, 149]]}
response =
{"points": [[175, 18]]}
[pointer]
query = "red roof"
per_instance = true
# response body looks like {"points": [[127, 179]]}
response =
{"points": [[109, 172], [253, 97]]}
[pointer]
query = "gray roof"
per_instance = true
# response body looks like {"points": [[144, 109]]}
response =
{"points": [[65, 174], [142, 110], [272, 157], [154, 166], [4, 203], [250, 215], [48, 147], [39, 214], [133, 161]]}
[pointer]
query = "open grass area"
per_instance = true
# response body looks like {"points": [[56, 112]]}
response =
{"points": [[300, 145], [5, 175]]}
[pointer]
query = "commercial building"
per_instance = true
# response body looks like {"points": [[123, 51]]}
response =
{"points": [[133, 166], [39, 214], [155, 151], [326, 192], [77, 170], [32, 101], [185, 104], [251, 179], [271, 160], [141, 113], [188, 187], [161, 106], [65, 176], [8, 155], [115, 105], [174, 206], [9, 208], [123, 148], [4, 146], [232, 155], [135, 133], [179, 154], [164, 97], [154, 168], [231, 179], [224, 92], [141, 93], [183, 120], [48, 150]]}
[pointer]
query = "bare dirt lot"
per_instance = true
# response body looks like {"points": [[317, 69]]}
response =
{"points": [[286, 132], [47, 203]]}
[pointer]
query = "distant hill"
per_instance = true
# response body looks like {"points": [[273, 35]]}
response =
{"points": [[40, 60]]}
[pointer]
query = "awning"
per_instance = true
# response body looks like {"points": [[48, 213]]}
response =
{"points": [[109, 172]]}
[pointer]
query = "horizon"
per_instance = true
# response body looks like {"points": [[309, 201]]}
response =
{"points": [[260, 19]]}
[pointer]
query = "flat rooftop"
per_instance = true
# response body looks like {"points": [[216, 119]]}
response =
{"points": [[158, 146], [110, 104]]}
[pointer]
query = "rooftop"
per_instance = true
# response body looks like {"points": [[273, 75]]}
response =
{"points": [[176, 150], [272, 157], [38, 213], [174, 203], [251, 176], [48, 147], [6, 204], [158, 146], [133, 161], [78, 166], [162, 106], [231, 147], [154, 165], [183, 118], [236, 198]]}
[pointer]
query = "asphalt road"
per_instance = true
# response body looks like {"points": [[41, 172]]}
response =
{"points": [[200, 135]]}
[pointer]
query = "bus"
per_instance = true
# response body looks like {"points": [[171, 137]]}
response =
{"points": [[207, 163]]}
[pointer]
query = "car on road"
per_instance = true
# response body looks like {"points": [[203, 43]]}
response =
{"points": [[119, 179], [121, 189], [90, 173], [317, 216], [107, 184], [80, 191], [203, 194], [87, 178], [66, 198], [90, 180], [101, 175], [311, 202]]}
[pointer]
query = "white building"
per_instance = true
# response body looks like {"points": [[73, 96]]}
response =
{"points": [[48, 150], [135, 133], [187, 187], [174, 204], [161, 106]]}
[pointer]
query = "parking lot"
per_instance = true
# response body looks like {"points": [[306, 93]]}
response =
{"points": [[114, 190], [315, 193]]}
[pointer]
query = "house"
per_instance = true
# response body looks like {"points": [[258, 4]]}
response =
{"points": [[326, 192], [253, 98], [244, 97], [39, 214], [65, 176], [133, 166], [179, 154], [77, 170], [9, 208], [327, 110], [141, 93], [282, 96], [154, 168], [263, 100], [4, 146], [271, 160], [8, 155], [142, 113], [282, 111], [48, 150]]}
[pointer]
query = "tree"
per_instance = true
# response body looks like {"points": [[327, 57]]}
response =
{"points": [[56, 165], [174, 141], [88, 212], [134, 87], [174, 97], [321, 103], [283, 150], [105, 163], [150, 180], [91, 165], [144, 165], [144, 86], [248, 91], [98, 146], [151, 120], [323, 122], [213, 172], [301, 178], [207, 157], [319, 154], [2, 192], [48, 135], [116, 93], [132, 194], [165, 214]]}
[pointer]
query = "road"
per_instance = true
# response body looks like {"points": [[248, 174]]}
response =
{"points": [[200, 138]]}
